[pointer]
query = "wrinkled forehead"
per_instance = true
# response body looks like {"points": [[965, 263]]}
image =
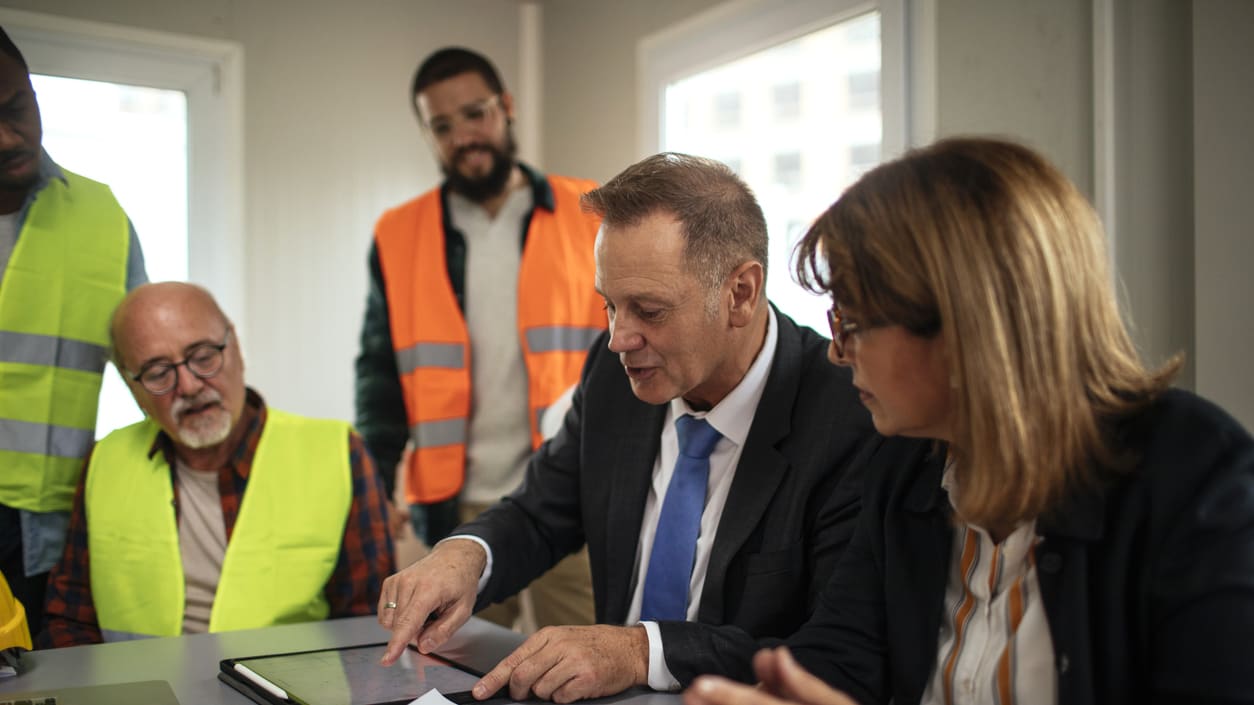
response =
{"points": [[651, 249]]}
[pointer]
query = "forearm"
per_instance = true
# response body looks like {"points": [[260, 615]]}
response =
{"points": [[691, 649]]}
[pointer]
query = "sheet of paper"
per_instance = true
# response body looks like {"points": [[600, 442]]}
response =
{"points": [[431, 697]]}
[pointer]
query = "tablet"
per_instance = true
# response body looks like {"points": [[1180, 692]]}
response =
{"points": [[347, 676]]}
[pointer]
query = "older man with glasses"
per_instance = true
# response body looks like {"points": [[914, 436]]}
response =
{"points": [[247, 484]]}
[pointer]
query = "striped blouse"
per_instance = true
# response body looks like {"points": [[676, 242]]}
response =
{"points": [[994, 645]]}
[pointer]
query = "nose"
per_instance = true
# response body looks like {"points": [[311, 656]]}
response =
{"points": [[463, 133], [623, 338], [188, 384]]}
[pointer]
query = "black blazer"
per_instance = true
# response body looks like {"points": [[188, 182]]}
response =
{"points": [[1148, 582], [789, 513]]}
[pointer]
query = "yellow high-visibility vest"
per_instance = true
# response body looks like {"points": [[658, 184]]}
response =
{"points": [[282, 551], [63, 280]]}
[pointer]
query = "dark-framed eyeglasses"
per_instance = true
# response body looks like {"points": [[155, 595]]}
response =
{"points": [[204, 361], [475, 114], [844, 327]]}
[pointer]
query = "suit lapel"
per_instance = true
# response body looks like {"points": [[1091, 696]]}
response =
{"points": [[630, 470], [760, 471]]}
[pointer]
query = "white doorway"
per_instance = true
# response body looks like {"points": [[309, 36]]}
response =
{"points": [[133, 138], [158, 117]]}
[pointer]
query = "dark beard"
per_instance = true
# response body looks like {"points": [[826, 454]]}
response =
{"points": [[491, 184]]}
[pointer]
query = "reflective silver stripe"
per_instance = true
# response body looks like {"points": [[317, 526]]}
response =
{"points": [[115, 635], [560, 338], [44, 439], [432, 434], [49, 350], [540, 418], [430, 355]]}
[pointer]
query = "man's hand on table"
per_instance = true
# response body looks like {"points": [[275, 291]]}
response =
{"points": [[564, 664], [428, 601]]}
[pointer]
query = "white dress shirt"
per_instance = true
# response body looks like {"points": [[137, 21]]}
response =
{"points": [[732, 418]]}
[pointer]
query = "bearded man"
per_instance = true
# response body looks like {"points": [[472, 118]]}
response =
{"points": [[482, 305], [261, 498]]}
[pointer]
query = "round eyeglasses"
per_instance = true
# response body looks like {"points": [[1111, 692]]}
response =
{"points": [[204, 361], [843, 327]]}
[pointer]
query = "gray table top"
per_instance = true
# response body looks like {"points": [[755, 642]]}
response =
{"points": [[190, 663]]}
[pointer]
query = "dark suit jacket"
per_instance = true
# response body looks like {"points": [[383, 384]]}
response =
{"points": [[789, 514], [1148, 582]]}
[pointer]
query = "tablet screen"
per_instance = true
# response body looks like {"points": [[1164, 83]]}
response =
{"points": [[353, 676]]}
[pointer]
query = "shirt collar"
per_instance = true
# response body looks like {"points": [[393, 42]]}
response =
{"points": [[48, 170], [254, 418], [733, 416], [541, 191]]}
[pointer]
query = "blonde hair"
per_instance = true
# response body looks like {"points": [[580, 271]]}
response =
{"points": [[985, 243]]}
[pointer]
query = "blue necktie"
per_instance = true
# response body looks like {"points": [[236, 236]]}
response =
{"points": [[675, 543]]}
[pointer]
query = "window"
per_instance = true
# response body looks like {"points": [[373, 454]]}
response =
{"points": [[134, 139], [829, 55], [864, 89], [863, 156], [788, 170], [726, 110], [786, 99]]}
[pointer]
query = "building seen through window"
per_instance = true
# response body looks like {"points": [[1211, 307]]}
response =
{"points": [[798, 121]]}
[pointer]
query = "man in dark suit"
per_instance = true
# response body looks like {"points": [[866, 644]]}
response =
{"points": [[700, 571]]}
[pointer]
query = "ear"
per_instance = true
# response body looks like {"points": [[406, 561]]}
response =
{"points": [[507, 104], [745, 287]]}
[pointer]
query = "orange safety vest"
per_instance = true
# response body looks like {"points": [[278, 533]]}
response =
{"points": [[559, 315]]}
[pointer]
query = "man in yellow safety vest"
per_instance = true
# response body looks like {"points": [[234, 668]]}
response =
{"points": [[68, 254], [261, 498]]}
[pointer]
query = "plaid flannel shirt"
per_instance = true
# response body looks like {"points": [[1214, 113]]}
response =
{"points": [[365, 558]]}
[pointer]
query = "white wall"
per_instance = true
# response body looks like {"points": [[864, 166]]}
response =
{"points": [[590, 103], [1021, 69], [329, 143], [1153, 171], [1223, 96]]}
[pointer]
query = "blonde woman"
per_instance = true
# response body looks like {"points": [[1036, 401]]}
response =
{"points": [[1075, 531]]}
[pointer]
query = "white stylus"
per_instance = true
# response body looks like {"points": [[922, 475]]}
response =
{"points": [[266, 685]]}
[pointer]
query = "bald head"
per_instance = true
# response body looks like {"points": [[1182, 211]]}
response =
{"points": [[176, 350], [162, 304]]}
